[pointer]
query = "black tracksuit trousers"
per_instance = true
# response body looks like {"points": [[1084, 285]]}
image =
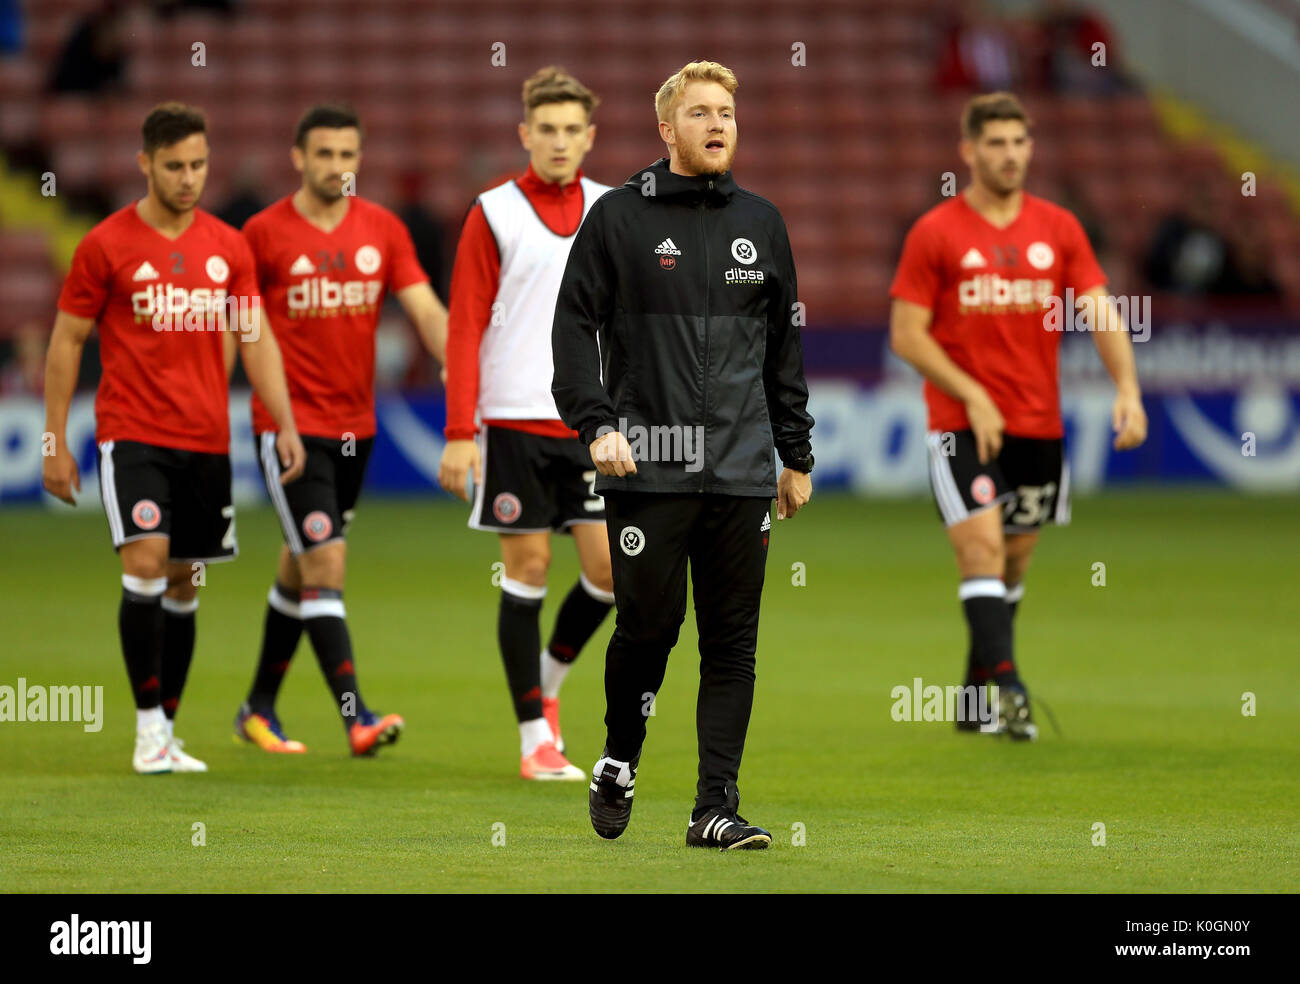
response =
{"points": [[652, 535]]}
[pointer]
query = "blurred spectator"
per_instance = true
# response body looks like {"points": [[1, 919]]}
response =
{"points": [[1071, 36], [1250, 270], [1189, 254], [11, 27], [1068, 196], [427, 232], [978, 51], [246, 200], [94, 58], [24, 373]]}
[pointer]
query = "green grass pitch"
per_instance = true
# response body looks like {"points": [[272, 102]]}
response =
{"points": [[1146, 674]]}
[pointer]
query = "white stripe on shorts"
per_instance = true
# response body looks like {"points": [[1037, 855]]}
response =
{"points": [[271, 469], [1062, 515], [108, 493], [951, 505]]}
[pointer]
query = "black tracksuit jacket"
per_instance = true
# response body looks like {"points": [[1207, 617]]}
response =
{"points": [[678, 309]]}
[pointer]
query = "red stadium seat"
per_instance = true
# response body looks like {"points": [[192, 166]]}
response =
{"points": [[851, 147], [24, 250]]}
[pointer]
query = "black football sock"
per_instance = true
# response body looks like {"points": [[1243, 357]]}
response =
{"points": [[281, 631], [178, 650], [520, 638], [1014, 594], [323, 617], [140, 626], [581, 613], [989, 619], [976, 675]]}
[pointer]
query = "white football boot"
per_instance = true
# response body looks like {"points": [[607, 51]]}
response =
{"points": [[182, 762], [152, 750]]}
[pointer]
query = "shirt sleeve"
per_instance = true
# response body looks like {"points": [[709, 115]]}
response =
{"points": [[252, 236], [85, 289], [783, 379], [919, 275], [1079, 267], [243, 273], [404, 267], [474, 281]]}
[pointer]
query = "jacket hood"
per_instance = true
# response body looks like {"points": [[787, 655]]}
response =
{"points": [[719, 187]]}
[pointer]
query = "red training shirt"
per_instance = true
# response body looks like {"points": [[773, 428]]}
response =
{"points": [[323, 292], [987, 289], [162, 387]]}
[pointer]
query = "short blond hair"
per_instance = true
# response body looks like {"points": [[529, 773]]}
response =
{"points": [[671, 91], [553, 84]]}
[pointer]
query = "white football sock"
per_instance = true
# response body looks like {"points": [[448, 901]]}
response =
{"points": [[149, 718], [533, 733], [553, 673], [171, 728]]}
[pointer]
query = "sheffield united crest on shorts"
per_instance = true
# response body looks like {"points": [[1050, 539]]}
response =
{"points": [[506, 507], [981, 489], [146, 515], [317, 526]]}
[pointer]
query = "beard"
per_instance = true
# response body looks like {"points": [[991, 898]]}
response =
{"points": [[171, 200], [173, 203], [698, 161], [328, 193], [1002, 184]]}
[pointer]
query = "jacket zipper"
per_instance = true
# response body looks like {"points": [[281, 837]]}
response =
{"points": [[703, 454]]}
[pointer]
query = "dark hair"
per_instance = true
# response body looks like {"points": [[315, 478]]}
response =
{"points": [[990, 106], [169, 123], [333, 116], [553, 84]]}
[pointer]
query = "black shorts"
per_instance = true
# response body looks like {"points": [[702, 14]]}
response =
{"points": [[1029, 479], [534, 484], [150, 491], [316, 508]]}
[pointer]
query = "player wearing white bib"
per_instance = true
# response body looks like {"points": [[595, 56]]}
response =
{"points": [[531, 475]]}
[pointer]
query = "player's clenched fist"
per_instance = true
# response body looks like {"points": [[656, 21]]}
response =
{"points": [[459, 458], [612, 455], [60, 475]]}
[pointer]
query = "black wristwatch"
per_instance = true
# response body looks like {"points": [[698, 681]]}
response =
{"points": [[804, 464]]}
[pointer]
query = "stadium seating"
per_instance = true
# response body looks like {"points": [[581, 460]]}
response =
{"points": [[852, 146]]}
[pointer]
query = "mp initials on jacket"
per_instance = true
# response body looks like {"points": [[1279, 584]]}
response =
{"points": [[677, 316]]}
